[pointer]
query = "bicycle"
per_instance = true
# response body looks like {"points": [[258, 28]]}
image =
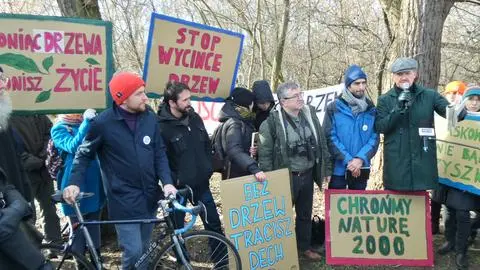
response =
{"points": [[170, 249]]}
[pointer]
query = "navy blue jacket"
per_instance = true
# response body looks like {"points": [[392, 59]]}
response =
{"points": [[131, 163], [350, 136]]}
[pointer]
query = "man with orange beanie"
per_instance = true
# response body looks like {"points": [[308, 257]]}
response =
{"points": [[127, 140]]}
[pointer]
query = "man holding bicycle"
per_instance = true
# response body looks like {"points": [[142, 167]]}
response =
{"points": [[127, 140]]}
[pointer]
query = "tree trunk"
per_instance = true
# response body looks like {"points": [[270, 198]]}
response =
{"points": [[415, 30], [80, 8], [277, 61]]}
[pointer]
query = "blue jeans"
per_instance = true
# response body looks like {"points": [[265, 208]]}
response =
{"points": [[80, 244], [133, 240], [340, 182]]}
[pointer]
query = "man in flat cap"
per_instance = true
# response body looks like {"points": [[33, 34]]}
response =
{"points": [[406, 119]]}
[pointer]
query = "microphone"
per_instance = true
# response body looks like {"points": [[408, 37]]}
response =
{"points": [[405, 93]]}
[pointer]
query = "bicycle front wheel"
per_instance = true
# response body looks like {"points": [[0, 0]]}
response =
{"points": [[56, 255], [203, 250]]}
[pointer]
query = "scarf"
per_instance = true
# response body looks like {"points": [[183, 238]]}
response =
{"points": [[244, 113], [357, 105]]}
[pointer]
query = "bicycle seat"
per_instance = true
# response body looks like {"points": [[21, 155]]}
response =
{"points": [[57, 197]]}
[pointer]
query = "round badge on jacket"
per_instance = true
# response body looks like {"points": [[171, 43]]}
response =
{"points": [[147, 140], [365, 127]]}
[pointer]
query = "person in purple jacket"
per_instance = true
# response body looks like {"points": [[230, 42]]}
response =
{"points": [[126, 138]]}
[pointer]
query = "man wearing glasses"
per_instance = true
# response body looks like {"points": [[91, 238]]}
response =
{"points": [[292, 137]]}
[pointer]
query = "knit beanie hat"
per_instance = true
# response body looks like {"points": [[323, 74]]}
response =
{"points": [[472, 91], [353, 73], [123, 85], [242, 97], [455, 87]]}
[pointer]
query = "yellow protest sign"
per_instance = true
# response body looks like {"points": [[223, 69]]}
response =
{"points": [[258, 220], [378, 227], [458, 154], [55, 64], [203, 57]]}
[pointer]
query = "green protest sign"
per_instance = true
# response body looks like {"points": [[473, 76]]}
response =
{"points": [[378, 227]]}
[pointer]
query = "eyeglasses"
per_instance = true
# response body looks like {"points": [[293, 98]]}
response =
{"points": [[296, 96]]}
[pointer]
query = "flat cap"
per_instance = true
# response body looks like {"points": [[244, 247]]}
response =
{"points": [[404, 64]]}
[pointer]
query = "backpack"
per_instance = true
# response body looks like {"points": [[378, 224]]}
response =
{"points": [[219, 157], [55, 159], [218, 154]]}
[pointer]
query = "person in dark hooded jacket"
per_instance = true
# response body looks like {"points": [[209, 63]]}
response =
{"points": [[238, 127], [263, 103], [189, 153]]}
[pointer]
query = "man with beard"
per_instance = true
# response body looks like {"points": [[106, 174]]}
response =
{"points": [[188, 150], [351, 137], [126, 138], [15, 188]]}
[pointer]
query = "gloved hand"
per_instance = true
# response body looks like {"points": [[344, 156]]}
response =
{"points": [[169, 189], [89, 114], [404, 100]]}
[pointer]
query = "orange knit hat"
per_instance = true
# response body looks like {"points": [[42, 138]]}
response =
{"points": [[123, 85], [455, 87]]}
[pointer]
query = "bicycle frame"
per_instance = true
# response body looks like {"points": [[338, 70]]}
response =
{"points": [[168, 206]]}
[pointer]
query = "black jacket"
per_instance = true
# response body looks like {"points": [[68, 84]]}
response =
{"points": [[188, 149], [34, 131], [238, 140], [12, 167]]}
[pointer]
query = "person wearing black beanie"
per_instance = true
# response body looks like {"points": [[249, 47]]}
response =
{"points": [[236, 119]]}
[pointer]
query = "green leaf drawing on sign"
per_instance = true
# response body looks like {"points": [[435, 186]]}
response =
{"points": [[43, 96], [20, 62], [153, 95], [92, 61], [47, 63]]}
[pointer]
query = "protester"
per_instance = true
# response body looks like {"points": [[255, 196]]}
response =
{"points": [[293, 138], [263, 101], [454, 90], [127, 140], [34, 131], [17, 197], [406, 110], [349, 128], [459, 203], [238, 117], [67, 135], [189, 152]]}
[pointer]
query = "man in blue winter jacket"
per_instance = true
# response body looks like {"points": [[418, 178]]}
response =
{"points": [[349, 128], [127, 140]]}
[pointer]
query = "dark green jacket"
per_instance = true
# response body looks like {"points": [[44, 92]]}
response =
{"points": [[272, 151], [406, 166]]}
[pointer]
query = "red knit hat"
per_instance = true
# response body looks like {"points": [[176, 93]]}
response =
{"points": [[123, 85]]}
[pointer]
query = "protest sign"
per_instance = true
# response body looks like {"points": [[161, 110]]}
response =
{"points": [[258, 220], [378, 227], [458, 154], [55, 64], [203, 57]]}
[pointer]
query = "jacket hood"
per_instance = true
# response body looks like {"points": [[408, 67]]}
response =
{"points": [[262, 91], [164, 113], [228, 111]]}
